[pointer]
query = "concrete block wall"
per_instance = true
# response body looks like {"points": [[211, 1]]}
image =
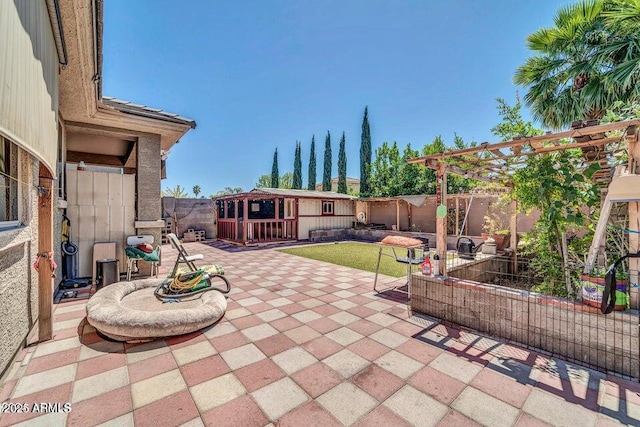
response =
{"points": [[557, 325], [198, 214]]}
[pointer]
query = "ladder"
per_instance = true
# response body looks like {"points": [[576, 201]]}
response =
{"points": [[601, 228]]}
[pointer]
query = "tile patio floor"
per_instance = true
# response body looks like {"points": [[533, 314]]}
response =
{"points": [[306, 343]]}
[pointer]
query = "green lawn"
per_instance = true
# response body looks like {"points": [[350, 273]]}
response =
{"points": [[363, 256]]}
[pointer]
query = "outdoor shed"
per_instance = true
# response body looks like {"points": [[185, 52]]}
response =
{"points": [[266, 215]]}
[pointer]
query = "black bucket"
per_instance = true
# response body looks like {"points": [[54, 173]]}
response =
{"points": [[107, 272]]}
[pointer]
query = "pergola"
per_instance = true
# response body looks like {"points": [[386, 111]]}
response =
{"points": [[497, 162]]}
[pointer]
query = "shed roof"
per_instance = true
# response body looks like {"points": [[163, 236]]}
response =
{"points": [[308, 194], [303, 193]]}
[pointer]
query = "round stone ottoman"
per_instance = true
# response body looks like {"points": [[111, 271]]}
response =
{"points": [[129, 311]]}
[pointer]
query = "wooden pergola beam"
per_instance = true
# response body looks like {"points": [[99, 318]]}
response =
{"points": [[537, 140]]}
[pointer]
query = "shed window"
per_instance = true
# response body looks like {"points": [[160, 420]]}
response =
{"points": [[8, 183], [327, 207], [289, 208], [231, 208]]}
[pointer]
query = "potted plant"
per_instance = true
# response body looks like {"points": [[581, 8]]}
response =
{"points": [[593, 284]]}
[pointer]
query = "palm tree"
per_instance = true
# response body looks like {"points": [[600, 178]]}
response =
{"points": [[178, 192], [623, 18], [196, 190], [573, 75]]}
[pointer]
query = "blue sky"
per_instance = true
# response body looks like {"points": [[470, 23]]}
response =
{"points": [[257, 75]]}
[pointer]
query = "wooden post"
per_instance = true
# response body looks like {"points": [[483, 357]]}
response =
{"points": [[245, 221], [634, 218], [237, 218], [565, 264], [45, 245], [441, 223], [398, 214], [457, 216], [367, 212], [513, 229]]}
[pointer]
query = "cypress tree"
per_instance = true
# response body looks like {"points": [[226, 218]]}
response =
{"points": [[275, 177], [326, 176], [297, 168], [312, 165], [342, 167], [365, 155]]}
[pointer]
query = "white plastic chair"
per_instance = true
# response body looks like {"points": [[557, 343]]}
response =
{"points": [[135, 241]]}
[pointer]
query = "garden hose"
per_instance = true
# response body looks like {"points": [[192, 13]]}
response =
{"points": [[186, 281], [189, 284]]}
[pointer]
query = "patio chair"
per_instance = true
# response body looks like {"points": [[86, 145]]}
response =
{"points": [[183, 256], [134, 254], [212, 271]]}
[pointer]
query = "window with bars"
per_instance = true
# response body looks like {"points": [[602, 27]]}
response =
{"points": [[8, 183]]}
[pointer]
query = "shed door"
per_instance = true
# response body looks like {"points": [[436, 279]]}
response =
{"points": [[101, 208]]}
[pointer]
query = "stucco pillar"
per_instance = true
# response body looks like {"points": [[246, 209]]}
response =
{"points": [[148, 202]]}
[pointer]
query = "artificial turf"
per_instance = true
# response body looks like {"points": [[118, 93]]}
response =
{"points": [[362, 256]]}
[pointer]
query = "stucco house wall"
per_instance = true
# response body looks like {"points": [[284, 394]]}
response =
{"points": [[18, 279], [29, 120]]}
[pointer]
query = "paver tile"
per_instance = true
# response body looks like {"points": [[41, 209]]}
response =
{"points": [[98, 384], [274, 344], [485, 409], [555, 411], [382, 417], [316, 379], [377, 382], [193, 352], [259, 374], [302, 334], [293, 360], [344, 336], [217, 391], [346, 363], [347, 402], [240, 412], [242, 356], [437, 385], [173, 410], [203, 370], [155, 388], [280, 397], [101, 408], [309, 414], [398, 364], [416, 407], [368, 348], [455, 367], [43, 380], [389, 338], [502, 387], [454, 418], [322, 347]]}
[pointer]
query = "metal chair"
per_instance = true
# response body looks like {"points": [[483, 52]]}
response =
{"points": [[183, 256], [133, 258]]}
